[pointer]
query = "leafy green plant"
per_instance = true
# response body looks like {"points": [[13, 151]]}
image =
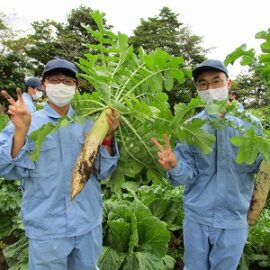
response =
{"points": [[164, 202], [259, 62], [251, 144], [134, 84], [17, 255], [134, 238], [11, 227], [3, 121], [10, 202], [257, 249], [137, 221], [124, 80]]}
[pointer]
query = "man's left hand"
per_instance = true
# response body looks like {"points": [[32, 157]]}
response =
{"points": [[113, 121]]}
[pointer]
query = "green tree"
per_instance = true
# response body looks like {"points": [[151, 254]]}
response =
{"points": [[5, 32], [166, 32], [51, 38], [75, 19], [73, 36], [12, 63], [251, 90]]}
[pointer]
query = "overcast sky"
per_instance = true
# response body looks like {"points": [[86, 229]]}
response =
{"points": [[224, 25]]}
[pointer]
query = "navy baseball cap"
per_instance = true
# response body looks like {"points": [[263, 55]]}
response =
{"points": [[209, 64], [62, 64], [33, 82]]}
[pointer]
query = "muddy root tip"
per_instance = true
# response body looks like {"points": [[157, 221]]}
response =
{"points": [[72, 197]]}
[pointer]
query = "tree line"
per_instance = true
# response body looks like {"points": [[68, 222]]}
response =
{"points": [[26, 54]]}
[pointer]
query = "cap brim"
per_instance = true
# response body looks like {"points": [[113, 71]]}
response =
{"points": [[196, 72], [69, 71]]}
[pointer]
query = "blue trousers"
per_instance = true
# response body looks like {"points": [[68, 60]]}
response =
{"points": [[208, 248], [72, 253]]}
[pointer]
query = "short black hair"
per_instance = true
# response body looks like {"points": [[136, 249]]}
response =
{"points": [[235, 94], [59, 70]]}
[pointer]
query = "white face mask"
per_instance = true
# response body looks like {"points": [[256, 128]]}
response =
{"points": [[60, 94], [37, 95], [214, 94]]}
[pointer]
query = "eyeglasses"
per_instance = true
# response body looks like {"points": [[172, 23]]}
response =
{"points": [[66, 81], [204, 85]]}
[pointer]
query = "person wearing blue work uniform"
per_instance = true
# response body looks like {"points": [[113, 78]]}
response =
{"points": [[63, 234], [234, 96], [217, 190], [33, 92]]}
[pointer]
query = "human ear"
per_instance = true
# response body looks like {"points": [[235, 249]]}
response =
{"points": [[229, 83]]}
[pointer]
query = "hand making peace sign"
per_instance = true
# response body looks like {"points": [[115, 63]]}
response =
{"points": [[167, 159], [19, 114]]}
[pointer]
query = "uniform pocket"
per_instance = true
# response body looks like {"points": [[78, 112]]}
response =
{"points": [[240, 168], [204, 161], [76, 148], [49, 159]]}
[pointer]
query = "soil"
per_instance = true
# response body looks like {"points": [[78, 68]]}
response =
{"points": [[8, 241], [3, 265]]}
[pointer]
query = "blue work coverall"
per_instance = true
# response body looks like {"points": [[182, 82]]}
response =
{"points": [[216, 199], [29, 102], [63, 234]]}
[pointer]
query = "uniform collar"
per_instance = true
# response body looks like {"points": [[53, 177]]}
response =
{"points": [[49, 111], [227, 116], [27, 96]]}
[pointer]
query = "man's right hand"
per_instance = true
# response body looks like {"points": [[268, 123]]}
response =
{"points": [[167, 159], [21, 118], [19, 114]]}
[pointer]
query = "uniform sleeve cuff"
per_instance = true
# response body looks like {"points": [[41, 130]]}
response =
{"points": [[105, 153], [22, 158], [177, 170]]}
